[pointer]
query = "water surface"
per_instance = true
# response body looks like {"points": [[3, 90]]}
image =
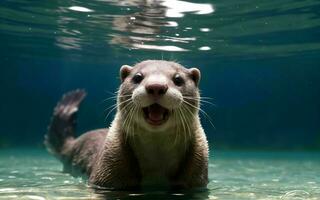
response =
{"points": [[82, 30]]}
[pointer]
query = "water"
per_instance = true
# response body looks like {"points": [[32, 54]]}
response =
{"points": [[33, 174], [81, 30], [259, 62]]}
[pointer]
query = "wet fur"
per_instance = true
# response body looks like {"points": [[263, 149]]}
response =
{"points": [[125, 156]]}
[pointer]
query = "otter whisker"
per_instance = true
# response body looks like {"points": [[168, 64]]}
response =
{"points": [[187, 122], [126, 106], [200, 99], [186, 125], [133, 109], [181, 125], [124, 95], [202, 112], [109, 98], [115, 106], [115, 97], [184, 128], [177, 127], [112, 93], [127, 122], [202, 102], [188, 119], [118, 92], [189, 111], [131, 115], [128, 109]]}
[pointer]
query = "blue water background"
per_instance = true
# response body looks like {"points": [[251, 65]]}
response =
{"points": [[259, 60]]}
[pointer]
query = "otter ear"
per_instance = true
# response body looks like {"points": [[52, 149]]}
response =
{"points": [[195, 75], [125, 71]]}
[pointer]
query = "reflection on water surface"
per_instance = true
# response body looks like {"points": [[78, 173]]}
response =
{"points": [[129, 27], [146, 24]]}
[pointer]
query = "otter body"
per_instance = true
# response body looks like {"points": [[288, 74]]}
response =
{"points": [[155, 139]]}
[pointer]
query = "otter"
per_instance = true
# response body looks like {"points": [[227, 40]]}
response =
{"points": [[155, 140]]}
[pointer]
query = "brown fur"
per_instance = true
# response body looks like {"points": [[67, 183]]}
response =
{"points": [[132, 155]]}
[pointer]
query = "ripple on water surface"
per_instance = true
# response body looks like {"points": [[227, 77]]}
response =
{"points": [[219, 28]]}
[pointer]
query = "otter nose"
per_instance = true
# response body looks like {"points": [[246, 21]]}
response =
{"points": [[157, 90]]}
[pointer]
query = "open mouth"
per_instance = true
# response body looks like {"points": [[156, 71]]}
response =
{"points": [[155, 114]]}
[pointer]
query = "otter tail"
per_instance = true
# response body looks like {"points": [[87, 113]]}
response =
{"points": [[62, 127]]}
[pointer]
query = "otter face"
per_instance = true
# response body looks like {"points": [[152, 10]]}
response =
{"points": [[157, 92]]}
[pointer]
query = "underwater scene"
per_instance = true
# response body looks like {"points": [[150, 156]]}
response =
{"points": [[259, 88]]}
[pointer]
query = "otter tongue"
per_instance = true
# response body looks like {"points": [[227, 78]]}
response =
{"points": [[156, 112]]}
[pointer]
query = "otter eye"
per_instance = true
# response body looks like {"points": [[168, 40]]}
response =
{"points": [[137, 78], [178, 80]]}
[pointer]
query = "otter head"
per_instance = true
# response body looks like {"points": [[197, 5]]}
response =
{"points": [[158, 95]]}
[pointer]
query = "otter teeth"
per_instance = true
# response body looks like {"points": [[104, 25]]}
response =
{"points": [[155, 114]]}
